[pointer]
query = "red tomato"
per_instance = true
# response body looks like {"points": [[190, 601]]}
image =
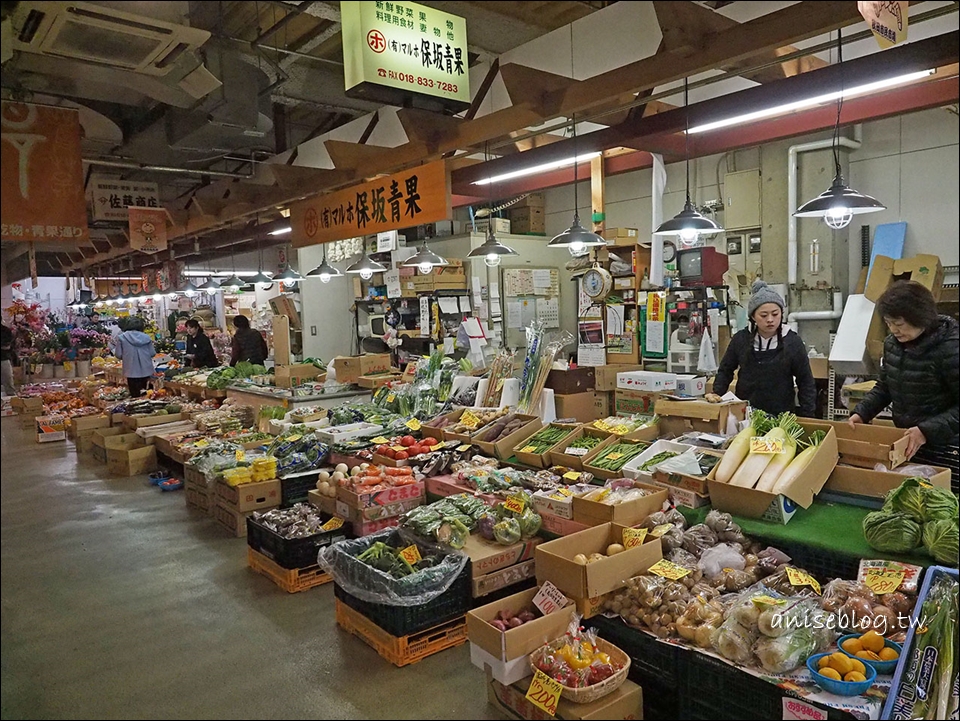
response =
{"points": [[408, 441], [430, 442], [417, 450], [402, 455], [382, 450], [390, 453]]}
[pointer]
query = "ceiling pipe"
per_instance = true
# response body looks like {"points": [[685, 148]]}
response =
{"points": [[131, 165]]}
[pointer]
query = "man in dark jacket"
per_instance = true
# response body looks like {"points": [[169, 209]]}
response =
{"points": [[248, 344], [8, 359], [199, 348], [770, 358], [920, 370]]}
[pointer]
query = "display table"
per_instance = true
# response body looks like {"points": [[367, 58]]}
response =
{"points": [[257, 398], [825, 539], [195, 392]]}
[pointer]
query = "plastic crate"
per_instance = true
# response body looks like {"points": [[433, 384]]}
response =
{"points": [[404, 620], [651, 660], [890, 708], [294, 490], [822, 563], [403, 650], [291, 580], [289, 552]]}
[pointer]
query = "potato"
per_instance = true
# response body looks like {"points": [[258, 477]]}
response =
{"points": [[581, 559], [614, 548], [342, 468]]}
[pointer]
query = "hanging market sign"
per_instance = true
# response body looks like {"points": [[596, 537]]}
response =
{"points": [[391, 50], [42, 174], [411, 197], [148, 229], [888, 21], [110, 198]]}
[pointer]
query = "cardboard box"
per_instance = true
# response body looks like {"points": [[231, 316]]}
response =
{"points": [[874, 484], [133, 461], [284, 305], [99, 444], [134, 422], [693, 483], [691, 385], [348, 369], [327, 504], [582, 407], [683, 496], [589, 607], [500, 225], [820, 367], [632, 468], [374, 513], [380, 498], [359, 530], [626, 702], [506, 672], [555, 561], [27, 405], [531, 200], [606, 376], [372, 382], [249, 496], [488, 556], [509, 576], [576, 462], [593, 513], [83, 442], [646, 381], [89, 423], [679, 417], [289, 376], [628, 403], [503, 449], [516, 642], [553, 502], [574, 380], [528, 220], [780, 508], [234, 521], [540, 460], [621, 236], [51, 428], [869, 445], [559, 526]]}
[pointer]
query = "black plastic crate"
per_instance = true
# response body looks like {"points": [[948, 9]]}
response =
{"points": [[294, 490], [648, 657], [290, 552], [404, 620]]}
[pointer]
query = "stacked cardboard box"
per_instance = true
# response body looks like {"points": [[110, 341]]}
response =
{"points": [[376, 510], [529, 220]]}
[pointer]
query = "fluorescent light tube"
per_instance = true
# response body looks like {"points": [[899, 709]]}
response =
{"points": [[537, 169]]}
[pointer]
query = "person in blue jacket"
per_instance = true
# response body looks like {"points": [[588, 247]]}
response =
{"points": [[135, 349]]}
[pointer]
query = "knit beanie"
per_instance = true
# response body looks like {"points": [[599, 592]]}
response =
{"points": [[762, 293]]}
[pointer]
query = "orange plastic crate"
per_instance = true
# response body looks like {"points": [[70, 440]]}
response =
{"points": [[291, 580], [402, 650]]}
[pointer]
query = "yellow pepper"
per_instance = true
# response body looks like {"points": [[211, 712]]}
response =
{"points": [[581, 657], [602, 657]]}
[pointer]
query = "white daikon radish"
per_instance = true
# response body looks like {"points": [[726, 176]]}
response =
{"points": [[739, 448], [800, 462], [750, 471]]}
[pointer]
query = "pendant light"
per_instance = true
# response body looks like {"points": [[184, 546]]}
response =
{"points": [[577, 238], [211, 286], [234, 283], [289, 276], [491, 250], [425, 260], [188, 289], [366, 266], [261, 279], [839, 203], [688, 224], [325, 271]]}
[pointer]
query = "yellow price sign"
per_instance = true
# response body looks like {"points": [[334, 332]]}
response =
{"points": [[761, 444], [470, 419], [564, 492], [528, 449], [661, 529], [411, 554], [761, 601], [514, 504], [571, 476], [413, 424], [380, 440], [333, 524], [461, 449], [633, 537], [602, 425], [620, 430], [883, 580], [668, 569], [614, 456], [202, 443], [391, 397], [802, 578], [399, 448], [241, 455], [544, 692], [294, 438]]}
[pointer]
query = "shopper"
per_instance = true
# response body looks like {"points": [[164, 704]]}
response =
{"points": [[771, 358], [199, 348], [135, 349], [8, 358], [919, 372], [247, 344]]}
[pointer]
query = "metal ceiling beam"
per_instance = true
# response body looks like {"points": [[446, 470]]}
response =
{"points": [[132, 165]]}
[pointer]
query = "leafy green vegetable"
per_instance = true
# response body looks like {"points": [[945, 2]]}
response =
{"points": [[942, 539], [921, 501], [891, 532], [507, 532]]}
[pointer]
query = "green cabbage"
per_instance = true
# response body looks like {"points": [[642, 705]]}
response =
{"points": [[940, 503], [891, 532], [530, 523], [507, 532], [922, 501], [942, 539]]}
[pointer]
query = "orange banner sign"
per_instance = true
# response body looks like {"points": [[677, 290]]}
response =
{"points": [[412, 197], [148, 229], [42, 174]]}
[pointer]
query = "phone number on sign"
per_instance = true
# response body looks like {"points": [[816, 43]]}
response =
{"points": [[418, 80]]}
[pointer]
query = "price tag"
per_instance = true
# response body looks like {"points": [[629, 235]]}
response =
{"points": [[391, 397], [411, 554], [464, 447], [668, 569], [571, 476], [661, 529], [563, 492], [620, 430], [332, 525], [380, 440], [760, 444], [202, 443], [399, 448], [514, 504], [528, 449], [294, 438], [500, 384], [602, 425], [549, 599], [544, 692], [413, 424], [926, 484], [883, 580], [470, 419], [800, 578], [633, 537], [241, 455], [577, 451], [762, 601], [614, 456]]}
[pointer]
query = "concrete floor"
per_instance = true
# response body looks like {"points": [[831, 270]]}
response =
{"points": [[119, 602]]}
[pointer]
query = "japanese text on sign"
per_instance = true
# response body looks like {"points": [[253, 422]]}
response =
{"points": [[633, 537], [761, 444], [549, 599], [411, 554], [668, 569], [110, 198], [544, 692], [883, 580], [802, 578], [888, 21], [514, 504]]}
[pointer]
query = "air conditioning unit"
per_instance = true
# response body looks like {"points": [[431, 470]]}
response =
{"points": [[95, 34]]}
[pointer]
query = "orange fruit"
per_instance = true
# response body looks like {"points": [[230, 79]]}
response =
{"points": [[868, 655], [841, 663], [888, 654], [872, 641], [852, 646], [830, 673], [854, 676], [824, 661], [858, 666]]}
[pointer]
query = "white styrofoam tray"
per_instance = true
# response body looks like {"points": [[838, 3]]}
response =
{"points": [[632, 469]]}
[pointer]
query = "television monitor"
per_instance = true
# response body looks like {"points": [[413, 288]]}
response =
{"points": [[701, 266]]}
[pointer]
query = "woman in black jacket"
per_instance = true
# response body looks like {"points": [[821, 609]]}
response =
{"points": [[920, 370], [247, 344], [770, 358], [199, 348]]}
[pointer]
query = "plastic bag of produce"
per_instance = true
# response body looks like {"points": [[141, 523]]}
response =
{"points": [[371, 584], [787, 652], [722, 524], [507, 532], [891, 532], [698, 539], [735, 641], [719, 557]]}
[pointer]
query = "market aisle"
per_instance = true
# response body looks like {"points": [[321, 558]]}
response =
{"points": [[119, 603]]}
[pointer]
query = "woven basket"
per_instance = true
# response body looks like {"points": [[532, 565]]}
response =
{"points": [[607, 686]]}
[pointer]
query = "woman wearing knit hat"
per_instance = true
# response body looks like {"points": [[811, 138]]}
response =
{"points": [[771, 359]]}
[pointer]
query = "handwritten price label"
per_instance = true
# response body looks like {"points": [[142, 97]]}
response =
{"points": [[202, 443], [294, 438], [470, 419], [514, 504], [602, 425], [614, 456], [668, 569], [528, 449], [883, 580], [800, 578], [633, 537], [620, 430], [413, 424], [544, 692], [391, 398], [240, 455], [465, 447], [760, 444], [333, 524], [399, 448], [661, 529], [571, 476], [380, 440], [411, 554], [549, 599], [577, 451]]}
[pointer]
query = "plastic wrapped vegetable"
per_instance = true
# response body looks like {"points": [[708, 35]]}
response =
{"points": [[485, 525], [941, 538], [787, 652], [700, 620], [530, 523], [769, 561], [839, 591], [507, 532], [891, 532], [722, 524], [698, 539], [734, 641], [453, 533]]}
